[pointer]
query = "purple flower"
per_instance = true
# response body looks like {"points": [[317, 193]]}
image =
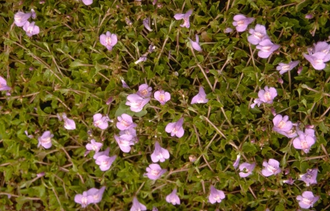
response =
{"points": [[289, 181], [265, 95], [266, 48], [101, 121], [146, 23], [283, 68], [144, 91], [92, 196], [125, 142], [175, 128], [307, 199], [131, 132], [105, 162], [141, 59], [322, 47], [195, 45], [87, 2], [241, 22], [124, 84], [257, 34], [185, 18], [31, 29], [3, 84], [98, 154], [200, 97], [83, 199], [159, 154], [162, 96], [309, 16], [136, 102], [173, 197], [228, 30], [108, 40], [235, 164], [246, 169], [96, 146], [282, 125], [21, 18], [272, 167], [317, 60], [305, 140], [309, 177], [46, 140], [33, 14], [154, 171], [216, 195], [125, 122], [96, 194], [69, 124], [137, 206]]}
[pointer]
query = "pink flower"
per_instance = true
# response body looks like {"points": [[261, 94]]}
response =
{"points": [[87, 2], [200, 97], [272, 167], [125, 142], [282, 125], [305, 140], [265, 95], [125, 122], [31, 29], [96, 146], [144, 91], [317, 60], [46, 140], [154, 171], [3, 84], [162, 96], [173, 198], [216, 195], [136, 102], [257, 34], [266, 48], [83, 199], [108, 40], [105, 161], [175, 128], [131, 132], [185, 17], [98, 154], [92, 196], [195, 45], [159, 154], [283, 68], [241, 22], [307, 199], [101, 121], [69, 124], [21, 18], [246, 169], [137, 206]]}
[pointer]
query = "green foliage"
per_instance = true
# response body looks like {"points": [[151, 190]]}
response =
{"points": [[65, 69]]}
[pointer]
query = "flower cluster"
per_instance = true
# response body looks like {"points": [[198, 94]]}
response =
{"points": [[318, 55], [92, 196], [21, 20], [127, 135]]}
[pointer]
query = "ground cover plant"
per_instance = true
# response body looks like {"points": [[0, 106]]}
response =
{"points": [[164, 105]]}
